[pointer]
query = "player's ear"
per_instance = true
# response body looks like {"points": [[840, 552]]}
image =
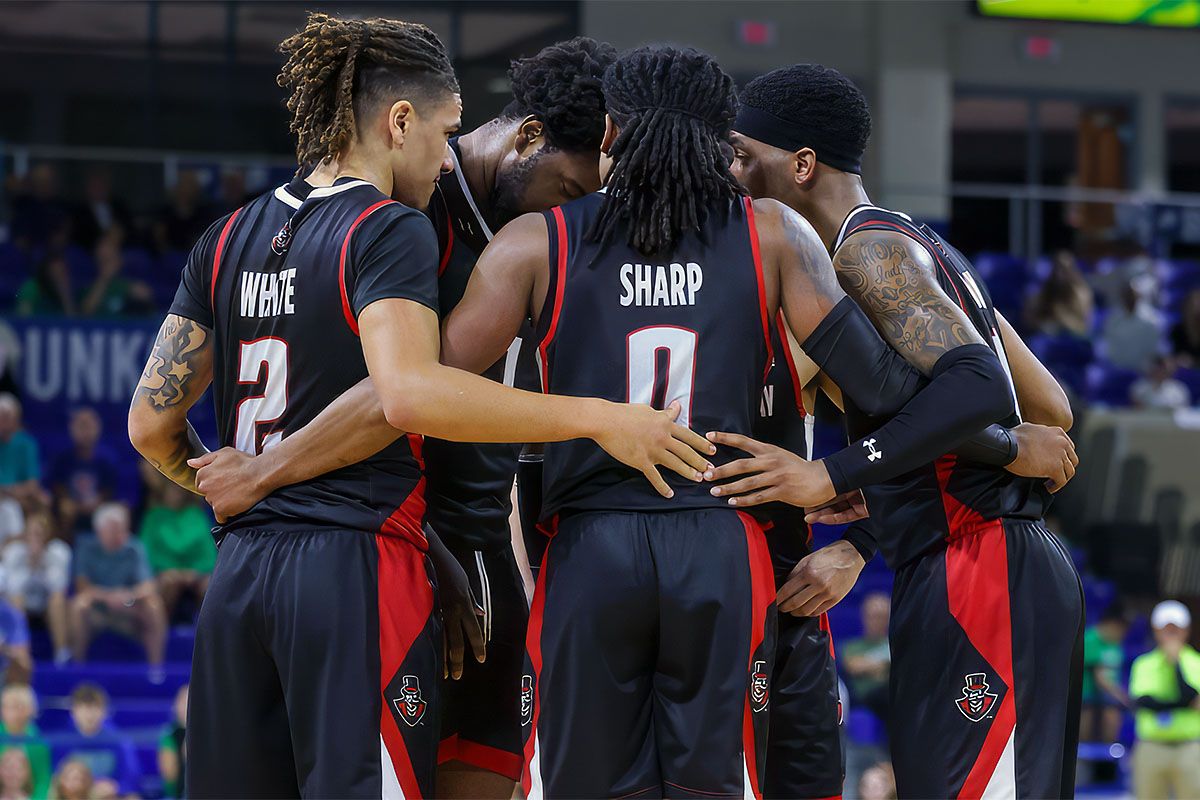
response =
{"points": [[804, 166], [530, 136], [611, 131], [400, 120]]}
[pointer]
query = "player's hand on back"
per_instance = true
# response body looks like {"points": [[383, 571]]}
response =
{"points": [[1044, 452], [841, 510], [643, 438], [230, 480], [771, 474], [462, 618], [820, 580]]}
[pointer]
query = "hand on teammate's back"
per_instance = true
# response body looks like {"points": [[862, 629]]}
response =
{"points": [[772, 475], [645, 439], [820, 580], [462, 618], [1044, 452], [841, 510], [229, 480]]}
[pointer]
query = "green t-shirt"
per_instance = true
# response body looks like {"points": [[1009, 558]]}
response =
{"points": [[876, 649], [178, 538], [19, 459], [1099, 654], [38, 753]]}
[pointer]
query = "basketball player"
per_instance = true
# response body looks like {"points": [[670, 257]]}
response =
{"points": [[317, 663], [984, 594], [543, 150]]}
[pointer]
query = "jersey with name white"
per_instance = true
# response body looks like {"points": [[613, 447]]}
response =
{"points": [[689, 326], [280, 283]]}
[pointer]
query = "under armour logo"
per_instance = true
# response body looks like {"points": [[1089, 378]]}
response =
{"points": [[873, 455]]}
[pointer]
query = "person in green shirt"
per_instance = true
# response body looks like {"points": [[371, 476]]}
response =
{"points": [[176, 533], [49, 291], [1165, 687], [112, 294], [1103, 657], [867, 661], [172, 755], [18, 707]]}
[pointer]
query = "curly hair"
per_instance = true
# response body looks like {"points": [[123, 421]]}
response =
{"points": [[675, 107], [818, 97], [337, 69], [561, 86]]}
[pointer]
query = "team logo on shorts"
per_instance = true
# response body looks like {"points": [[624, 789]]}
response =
{"points": [[760, 693], [526, 700], [410, 704], [279, 244], [976, 701]]}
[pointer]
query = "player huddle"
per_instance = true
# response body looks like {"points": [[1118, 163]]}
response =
{"points": [[675, 271]]}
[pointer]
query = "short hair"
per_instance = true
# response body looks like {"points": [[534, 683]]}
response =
{"points": [[338, 68], [88, 693], [819, 98], [107, 510], [24, 691], [562, 87], [9, 402]]}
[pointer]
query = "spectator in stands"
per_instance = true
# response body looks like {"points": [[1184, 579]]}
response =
{"points": [[115, 589], [74, 781], [107, 753], [176, 533], [1103, 659], [18, 731], [867, 660], [181, 222], [1159, 389], [20, 470], [1063, 305], [10, 357], [38, 213], [878, 782], [16, 775], [112, 294], [37, 571], [1164, 685], [100, 212], [48, 291], [1185, 335], [16, 663], [82, 477], [1131, 341], [172, 757]]}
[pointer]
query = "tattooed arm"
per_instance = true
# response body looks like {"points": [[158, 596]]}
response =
{"points": [[177, 373], [894, 280]]}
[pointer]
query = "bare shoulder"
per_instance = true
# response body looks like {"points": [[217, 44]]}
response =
{"points": [[783, 226]]}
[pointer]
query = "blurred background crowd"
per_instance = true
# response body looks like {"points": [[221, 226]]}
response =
{"points": [[1059, 155]]}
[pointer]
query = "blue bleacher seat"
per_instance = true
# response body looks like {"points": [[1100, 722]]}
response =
{"points": [[863, 727], [1109, 385], [120, 680], [1000, 266], [1191, 379]]}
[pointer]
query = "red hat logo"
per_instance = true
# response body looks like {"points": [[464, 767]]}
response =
{"points": [[760, 693], [976, 701], [410, 704]]}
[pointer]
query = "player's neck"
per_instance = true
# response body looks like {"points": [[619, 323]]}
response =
{"points": [[356, 164], [480, 154], [838, 195]]}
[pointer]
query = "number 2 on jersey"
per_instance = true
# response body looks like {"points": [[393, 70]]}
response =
{"points": [[661, 367], [261, 361]]}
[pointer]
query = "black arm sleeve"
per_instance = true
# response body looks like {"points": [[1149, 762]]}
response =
{"points": [[994, 445], [860, 535], [967, 391], [1187, 694]]}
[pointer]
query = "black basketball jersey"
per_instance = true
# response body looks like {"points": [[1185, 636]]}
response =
{"points": [[947, 498], [470, 485], [689, 326], [784, 422], [280, 282]]}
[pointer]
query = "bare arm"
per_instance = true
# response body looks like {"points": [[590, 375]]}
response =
{"points": [[1041, 399], [177, 373]]}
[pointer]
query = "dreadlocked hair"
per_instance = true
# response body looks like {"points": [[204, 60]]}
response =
{"points": [[561, 86], [337, 69], [674, 108]]}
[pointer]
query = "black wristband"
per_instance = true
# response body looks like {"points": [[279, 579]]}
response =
{"points": [[859, 535], [994, 445]]}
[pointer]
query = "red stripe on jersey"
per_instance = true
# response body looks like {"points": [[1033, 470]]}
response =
{"points": [[492, 759], [216, 269], [346, 311], [762, 594], [405, 604], [406, 521], [533, 650], [978, 597], [786, 347], [823, 624], [448, 245], [560, 227], [762, 287], [932, 250]]}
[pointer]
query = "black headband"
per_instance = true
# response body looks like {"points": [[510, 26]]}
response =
{"points": [[792, 136]]}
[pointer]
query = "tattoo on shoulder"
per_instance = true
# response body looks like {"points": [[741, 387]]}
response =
{"points": [[813, 257], [903, 299], [178, 355]]}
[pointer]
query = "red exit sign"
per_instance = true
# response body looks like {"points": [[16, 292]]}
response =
{"points": [[756, 33]]}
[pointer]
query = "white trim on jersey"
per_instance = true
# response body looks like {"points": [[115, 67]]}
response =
{"points": [[466, 190], [284, 196], [747, 786], [1003, 783], [329, 191], [485, 591], [536, 792], [391, 784], [837, 242]]}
